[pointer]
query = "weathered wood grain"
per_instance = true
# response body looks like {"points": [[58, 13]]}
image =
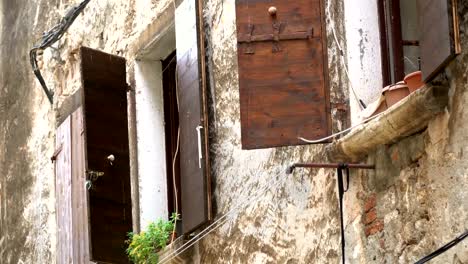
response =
{"points": [[283, 94]]}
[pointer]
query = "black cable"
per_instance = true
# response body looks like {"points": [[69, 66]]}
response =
{"points": [[49, 38], [443, 248], [341, 191]]}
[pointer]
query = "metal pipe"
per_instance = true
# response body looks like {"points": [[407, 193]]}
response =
{"points": [[291, 168]]}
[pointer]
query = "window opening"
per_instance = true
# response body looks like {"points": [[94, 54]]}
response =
{"points": [[399, 39], [171, 127]]}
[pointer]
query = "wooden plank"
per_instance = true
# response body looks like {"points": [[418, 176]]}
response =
{"points": [[195, 193], [79, 193], [63, 181], [283, 94], [439, 35]]}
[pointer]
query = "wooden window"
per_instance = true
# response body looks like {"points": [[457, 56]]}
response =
{"points": [[417, 35], [283, 72], [93, 221], [193, 116]]}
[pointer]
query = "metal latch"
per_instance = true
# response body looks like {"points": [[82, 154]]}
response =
{"points": [[91, 177], [94, 175]]}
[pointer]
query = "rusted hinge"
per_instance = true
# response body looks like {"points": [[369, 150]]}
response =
{"points": [[275, 37]]}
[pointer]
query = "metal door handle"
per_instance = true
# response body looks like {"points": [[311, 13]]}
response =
{"points": [[200, 153]]}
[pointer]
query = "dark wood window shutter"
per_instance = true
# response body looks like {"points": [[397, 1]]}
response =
{"points": [[439, 40], [106, 128], [194, 161], [283, 72]]}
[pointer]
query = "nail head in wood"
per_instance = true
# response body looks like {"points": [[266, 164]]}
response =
{"points": [[272, 10]]}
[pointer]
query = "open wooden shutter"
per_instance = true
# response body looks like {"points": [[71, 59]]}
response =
{"points": [[106, 128], [63, 185], [72, 198], [439, 40], [194, 166], [283, 70]]}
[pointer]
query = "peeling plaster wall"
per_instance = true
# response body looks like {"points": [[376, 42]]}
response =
{"points": [[27, 223], [296, 222], [414, 202], [363, 51], [417, 200], [28, 121]]}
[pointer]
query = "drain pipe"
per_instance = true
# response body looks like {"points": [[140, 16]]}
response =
{"points": [[341, 190]]}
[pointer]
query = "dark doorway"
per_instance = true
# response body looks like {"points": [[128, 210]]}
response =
{"points": [[171, 120]]}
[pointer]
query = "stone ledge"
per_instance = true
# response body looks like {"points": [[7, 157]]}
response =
{"points": [[407, 117]]}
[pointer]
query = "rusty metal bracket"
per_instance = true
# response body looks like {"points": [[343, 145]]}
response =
{"points": [[341, 190], [291, 168], [276, 37], [249, 49], [277, 28]]}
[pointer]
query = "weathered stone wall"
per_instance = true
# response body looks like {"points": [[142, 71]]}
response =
{"points": [[414, 202], [28, 127], [417, 199], [28, 121], [296, 222], [26, 139]]}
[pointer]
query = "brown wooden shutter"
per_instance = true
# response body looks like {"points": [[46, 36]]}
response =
{"points": [[194, 161], [63, 185], [439, 40], [106, 128], [72, 209], [283, 72]]}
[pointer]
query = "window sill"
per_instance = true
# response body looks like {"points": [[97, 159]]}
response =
{"points": [[407, 117]]}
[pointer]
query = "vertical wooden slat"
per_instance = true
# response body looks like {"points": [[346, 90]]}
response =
{"points": [[194, 180], [79, 193], [63, 181]]}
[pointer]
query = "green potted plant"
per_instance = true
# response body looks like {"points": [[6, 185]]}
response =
{"points": [[143, 247]]}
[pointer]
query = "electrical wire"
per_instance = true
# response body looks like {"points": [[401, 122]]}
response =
{"points": [[341, 53], [175, 157], [315, 141], [211, 228], [443, 248], [49, 38], [222, 219]]}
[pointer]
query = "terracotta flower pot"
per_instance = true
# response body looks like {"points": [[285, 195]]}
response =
{"points": [[414, 81], [374, 108], [382, 107], [394, 93]]}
